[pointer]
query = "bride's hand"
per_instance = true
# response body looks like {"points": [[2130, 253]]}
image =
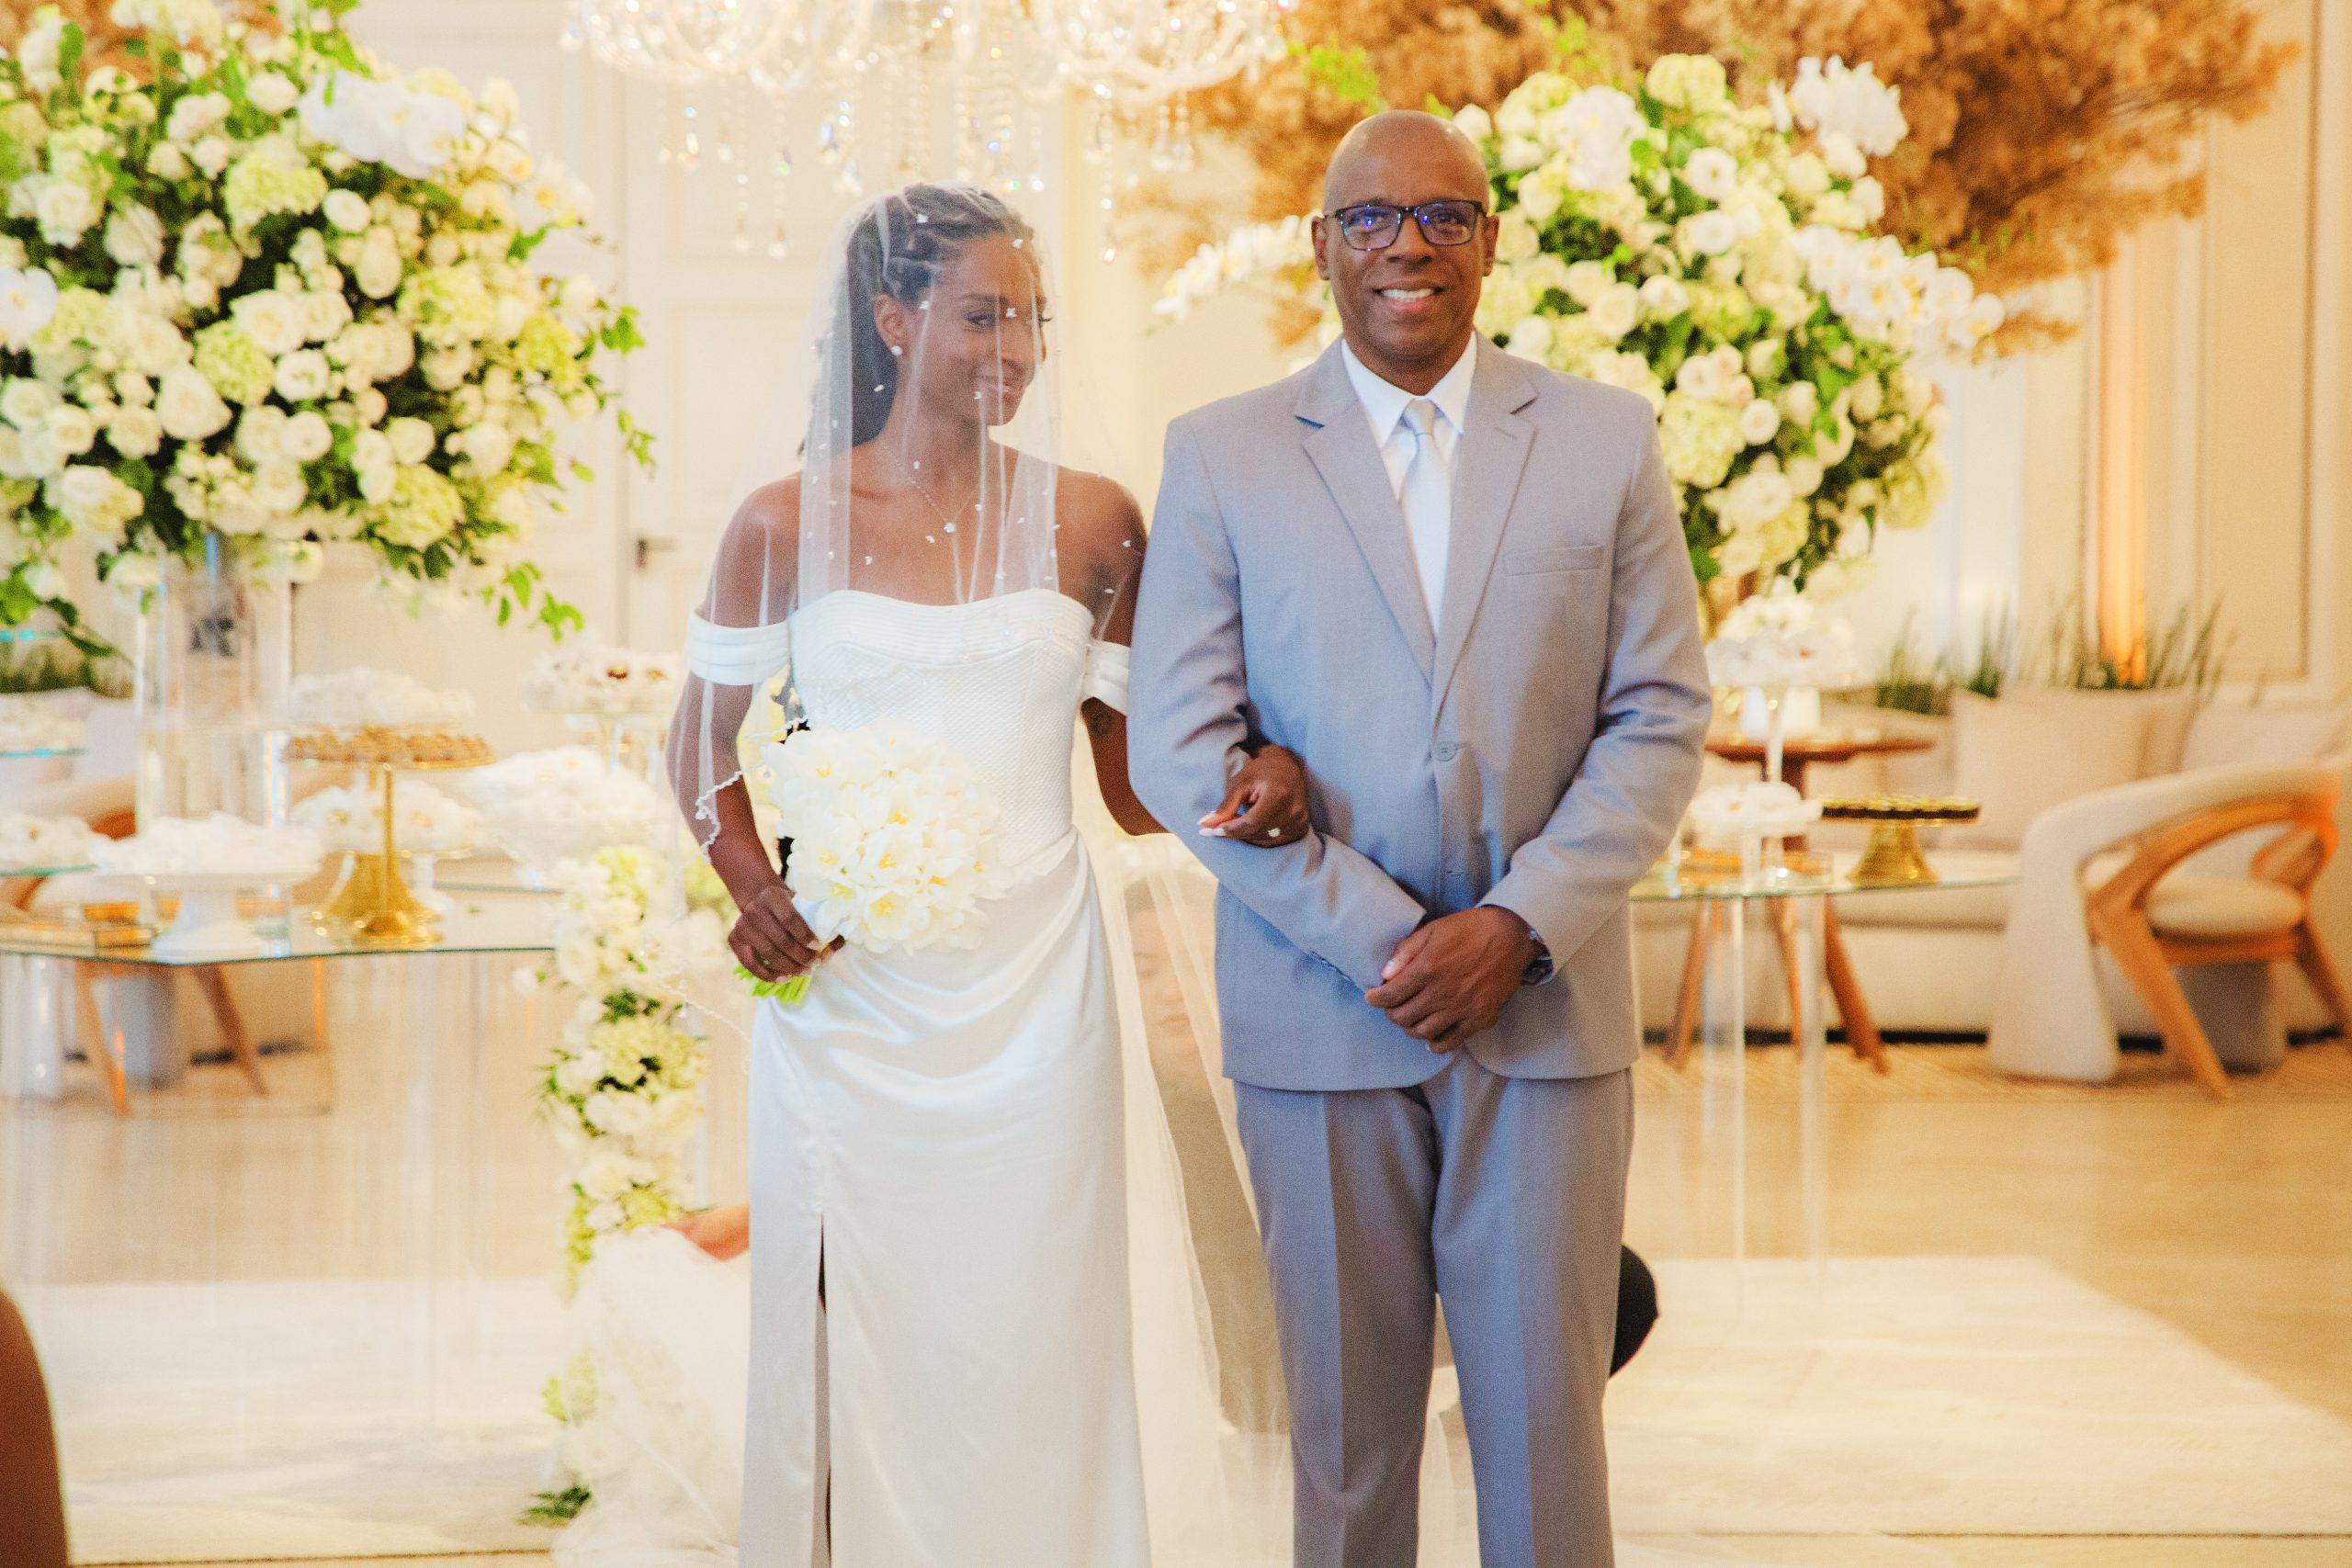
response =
{"points": [[723, 1233], [771, 939], [1265, 803]]}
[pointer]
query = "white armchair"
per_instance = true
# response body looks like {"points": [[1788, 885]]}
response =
{"points": [[2133, 867]]}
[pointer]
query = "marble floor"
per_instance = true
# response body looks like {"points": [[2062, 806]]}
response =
{"points": [[2231, 1223]]}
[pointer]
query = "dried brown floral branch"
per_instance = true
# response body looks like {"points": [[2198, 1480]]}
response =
{"points": [[2042, 130]]}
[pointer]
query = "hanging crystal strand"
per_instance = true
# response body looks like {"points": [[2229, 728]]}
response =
{"points": [[914, 129], [690, 142], [738, 162], [1102, 152], [574, 37], [834, 137], [1036, 142], [668, 153], [971, 27], [1187, 157], [1002, 93], [1163, 139], [779, 242]]}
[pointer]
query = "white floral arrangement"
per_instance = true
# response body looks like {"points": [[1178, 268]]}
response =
{"points": [[894, 840], [215, 846], [274, 293], [49, 843], [1731, 815], [1781, 638], [624, 1091], [426, 821], [604, 681], [1724, 262], [29, 725], [544, 806], [360, 698]]}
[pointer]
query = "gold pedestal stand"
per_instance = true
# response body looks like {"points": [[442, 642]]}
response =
{"points": [[1893, 857], [373, 907]]}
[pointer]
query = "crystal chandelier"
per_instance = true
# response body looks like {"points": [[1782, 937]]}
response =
{"points": [[895, 78]]}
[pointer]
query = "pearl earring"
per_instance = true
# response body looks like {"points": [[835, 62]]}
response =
{"points": [[896, 351]]}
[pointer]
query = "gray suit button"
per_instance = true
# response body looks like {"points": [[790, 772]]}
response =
{"points": [[1447, 750]]}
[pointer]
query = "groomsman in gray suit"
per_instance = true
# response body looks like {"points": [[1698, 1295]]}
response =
{"points": [[1455, 583]]}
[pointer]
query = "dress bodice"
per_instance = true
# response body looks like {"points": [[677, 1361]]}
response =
{"points": [[998, 680]]}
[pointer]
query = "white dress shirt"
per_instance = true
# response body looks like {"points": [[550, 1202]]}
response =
{"points": [[1423, 482]]}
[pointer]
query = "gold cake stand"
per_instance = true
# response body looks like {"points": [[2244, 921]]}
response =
{"points": [[1893, 857], [372, 906]]}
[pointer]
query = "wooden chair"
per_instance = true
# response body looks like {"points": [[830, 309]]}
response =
{"points": [[2154, 921]]}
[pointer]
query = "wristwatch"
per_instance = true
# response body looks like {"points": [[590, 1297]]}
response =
{"points": [[1539, 968]]}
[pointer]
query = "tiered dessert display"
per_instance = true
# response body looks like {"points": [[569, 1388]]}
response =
{"points": [[622, 697], [431, 827], [543, 807], [1893, 858], [205, 863], [44, 846], [383, 724]]}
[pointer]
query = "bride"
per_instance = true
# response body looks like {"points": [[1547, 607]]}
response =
{"points": [[943, 1344]]}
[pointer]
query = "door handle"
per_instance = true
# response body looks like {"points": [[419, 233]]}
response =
{"points": [[651, 544]]}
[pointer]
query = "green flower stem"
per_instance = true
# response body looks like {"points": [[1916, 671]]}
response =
{"points": [[788, 992]]}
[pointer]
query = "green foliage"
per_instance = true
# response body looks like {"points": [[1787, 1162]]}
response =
{"points": [[1346, 73], [556, 1509], [1909, 682], [2188, 651], [65, 665]]}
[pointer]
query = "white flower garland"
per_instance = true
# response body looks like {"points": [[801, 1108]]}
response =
{"points": [[624, 1091]]}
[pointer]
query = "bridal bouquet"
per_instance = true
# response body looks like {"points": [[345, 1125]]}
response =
{"points": [[1725, 261], [268, 289], [894, 841]]}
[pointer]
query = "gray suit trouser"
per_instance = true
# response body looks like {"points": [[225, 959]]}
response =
{"points": [[1506, 1197]]}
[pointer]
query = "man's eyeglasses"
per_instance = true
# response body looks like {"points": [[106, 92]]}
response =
{"points": [[1373, 226]]}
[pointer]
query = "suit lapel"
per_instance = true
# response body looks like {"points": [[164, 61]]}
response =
{"points": [[1339, 445], [1487, 475]]}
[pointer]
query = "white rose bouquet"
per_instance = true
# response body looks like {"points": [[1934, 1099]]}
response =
{"points": [[272, 292], [894, 841], [1724, 261]]}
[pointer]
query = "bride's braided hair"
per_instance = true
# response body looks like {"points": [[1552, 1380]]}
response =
{"points": [[900, 248]]}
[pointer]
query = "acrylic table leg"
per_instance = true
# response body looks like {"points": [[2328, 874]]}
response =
{"points": [[1722, 1072], [1809, 1028]]}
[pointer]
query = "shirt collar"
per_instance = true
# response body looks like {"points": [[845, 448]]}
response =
{"points": [[1383, 401]]}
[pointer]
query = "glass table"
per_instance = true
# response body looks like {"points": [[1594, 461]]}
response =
{"points": [[1712, 1137], [246, 1302], [56, 987]]}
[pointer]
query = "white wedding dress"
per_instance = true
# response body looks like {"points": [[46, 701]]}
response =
{"points": [[939, 1136]]}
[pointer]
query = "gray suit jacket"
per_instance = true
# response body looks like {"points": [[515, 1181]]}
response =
{"points": [[1535, 750]]}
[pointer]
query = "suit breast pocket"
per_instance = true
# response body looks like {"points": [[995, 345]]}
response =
{"points": [[1554, 561]]}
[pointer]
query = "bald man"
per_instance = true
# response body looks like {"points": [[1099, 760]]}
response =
{"points": [[1452, 583]]}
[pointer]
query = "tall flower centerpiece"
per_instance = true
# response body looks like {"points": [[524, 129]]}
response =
{"points": [[265, 298], [1725, 261]]}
